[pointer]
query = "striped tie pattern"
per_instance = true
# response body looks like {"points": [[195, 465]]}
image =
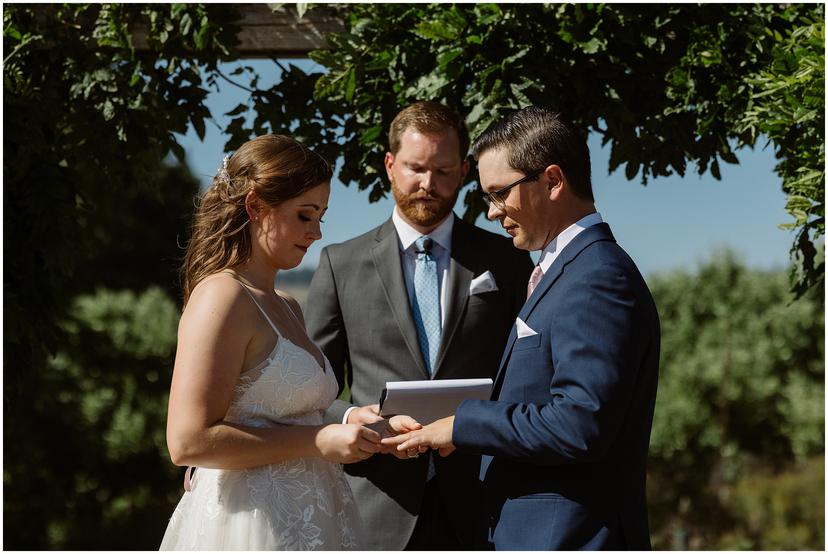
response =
{"points": [[534, 279]]}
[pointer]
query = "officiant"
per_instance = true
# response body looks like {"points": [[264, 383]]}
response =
{"points": [[425, 295]]}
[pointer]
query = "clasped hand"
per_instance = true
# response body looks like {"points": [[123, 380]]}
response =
{"points": [[368, 416], [352, 442], [437, 436]]}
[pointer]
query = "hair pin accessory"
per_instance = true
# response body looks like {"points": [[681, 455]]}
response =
{"points": [[222, 171]]}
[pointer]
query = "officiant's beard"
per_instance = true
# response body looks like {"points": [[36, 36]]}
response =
{"points": [[422, 208]]}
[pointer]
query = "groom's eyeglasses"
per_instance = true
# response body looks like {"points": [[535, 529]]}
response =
{"points": [[498, 197]]}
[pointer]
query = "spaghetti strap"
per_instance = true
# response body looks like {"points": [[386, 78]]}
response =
{"points": [[253, 298], [272, 326], [294, 314]]}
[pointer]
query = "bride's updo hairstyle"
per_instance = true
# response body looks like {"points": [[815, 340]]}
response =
{"points": [[277, 168]]}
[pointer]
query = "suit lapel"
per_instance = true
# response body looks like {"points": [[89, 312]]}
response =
{"points": [[386, 256], [457, 292], [504, 359], [588, 236]]}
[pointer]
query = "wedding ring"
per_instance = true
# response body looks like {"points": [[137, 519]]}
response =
{"points": [[414, 455]]}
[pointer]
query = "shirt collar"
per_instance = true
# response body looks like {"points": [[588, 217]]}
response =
{"points": [[556, 245], [408, 234]]}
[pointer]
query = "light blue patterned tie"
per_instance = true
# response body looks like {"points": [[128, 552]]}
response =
{"points": [[426, 306]]}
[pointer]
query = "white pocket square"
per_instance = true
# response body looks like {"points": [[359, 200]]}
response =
{"points": [[484, 282], [524, 330]]}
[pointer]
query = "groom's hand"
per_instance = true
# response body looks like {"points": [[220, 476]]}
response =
{"points": [[398, 425], [436, 435], [364, 415]]}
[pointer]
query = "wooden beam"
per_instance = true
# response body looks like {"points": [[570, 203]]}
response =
{"points": [[264, 33], [282, 33]]}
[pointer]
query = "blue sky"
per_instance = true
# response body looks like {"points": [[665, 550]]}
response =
{"points": [[671, 223]]}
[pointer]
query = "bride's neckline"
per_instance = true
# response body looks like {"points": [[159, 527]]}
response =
{"points": [[279, 334], [262, 366]]}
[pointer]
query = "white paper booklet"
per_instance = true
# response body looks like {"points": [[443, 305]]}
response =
{"points": [[428, 401]]}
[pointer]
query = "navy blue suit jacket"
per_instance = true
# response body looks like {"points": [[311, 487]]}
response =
{"points": [[564, 438]]}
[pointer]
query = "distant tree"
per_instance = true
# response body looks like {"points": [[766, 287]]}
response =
{"points": [[86, 464], [88, 117], [666, 85], [777, 510], [741, 392], [86, 467]]}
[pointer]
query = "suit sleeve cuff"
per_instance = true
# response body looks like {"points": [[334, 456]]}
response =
{"points": [[347, 413], [466, 425]]}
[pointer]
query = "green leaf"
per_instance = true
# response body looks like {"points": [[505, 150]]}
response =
{"points": [[370, 134], [434, 30], [202, 37], [517, 91], [714, 170], [11, 32], [198, 125], [447, 56], [728, 156], [350, 85], [514, 57], [474, 115], [429, 86], [177, 9], [593, 45], [631, 170], [239, 109], [487, 14], [178, 151]]}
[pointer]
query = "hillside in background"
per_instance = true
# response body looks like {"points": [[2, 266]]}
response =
{"points": [[295, 282]]}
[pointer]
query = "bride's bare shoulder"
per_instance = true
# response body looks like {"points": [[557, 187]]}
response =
{"points": [[218, 296]]}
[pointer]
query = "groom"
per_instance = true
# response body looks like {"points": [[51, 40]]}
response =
{"points": [[423, 296], [564, 439]]}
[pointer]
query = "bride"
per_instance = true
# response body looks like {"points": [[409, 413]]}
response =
{"points": [[249, 387]]}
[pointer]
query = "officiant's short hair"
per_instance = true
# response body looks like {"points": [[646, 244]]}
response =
{"points": [[535, 138], [428, 117]]}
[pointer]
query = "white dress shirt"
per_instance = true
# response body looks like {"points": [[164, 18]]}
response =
{"points": [[553, 249], [441, 251]]}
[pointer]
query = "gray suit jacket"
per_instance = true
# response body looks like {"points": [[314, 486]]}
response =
{"points": [[359, 314]]}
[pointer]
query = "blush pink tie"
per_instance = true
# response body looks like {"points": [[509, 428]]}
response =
{"points": [[534, 279]]}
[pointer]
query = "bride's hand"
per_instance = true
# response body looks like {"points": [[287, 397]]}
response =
{"points": [[345, 444], [365, 415]]}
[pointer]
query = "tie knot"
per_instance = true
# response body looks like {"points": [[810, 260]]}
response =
{"points": [[424, 244]]}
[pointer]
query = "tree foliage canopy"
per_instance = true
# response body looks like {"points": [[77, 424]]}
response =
{"points": [[89, 119], [667, 86]]}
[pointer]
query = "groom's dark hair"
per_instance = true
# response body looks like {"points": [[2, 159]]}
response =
{"points": [[534, 138]]}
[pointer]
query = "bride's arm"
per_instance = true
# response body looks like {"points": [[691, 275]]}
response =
{"points": [[213, 335]]}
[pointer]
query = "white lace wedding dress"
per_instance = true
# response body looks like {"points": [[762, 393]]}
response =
{"points": [[302, 504]]}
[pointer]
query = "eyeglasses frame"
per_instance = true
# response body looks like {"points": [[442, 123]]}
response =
{"points": [[497, 197]]}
